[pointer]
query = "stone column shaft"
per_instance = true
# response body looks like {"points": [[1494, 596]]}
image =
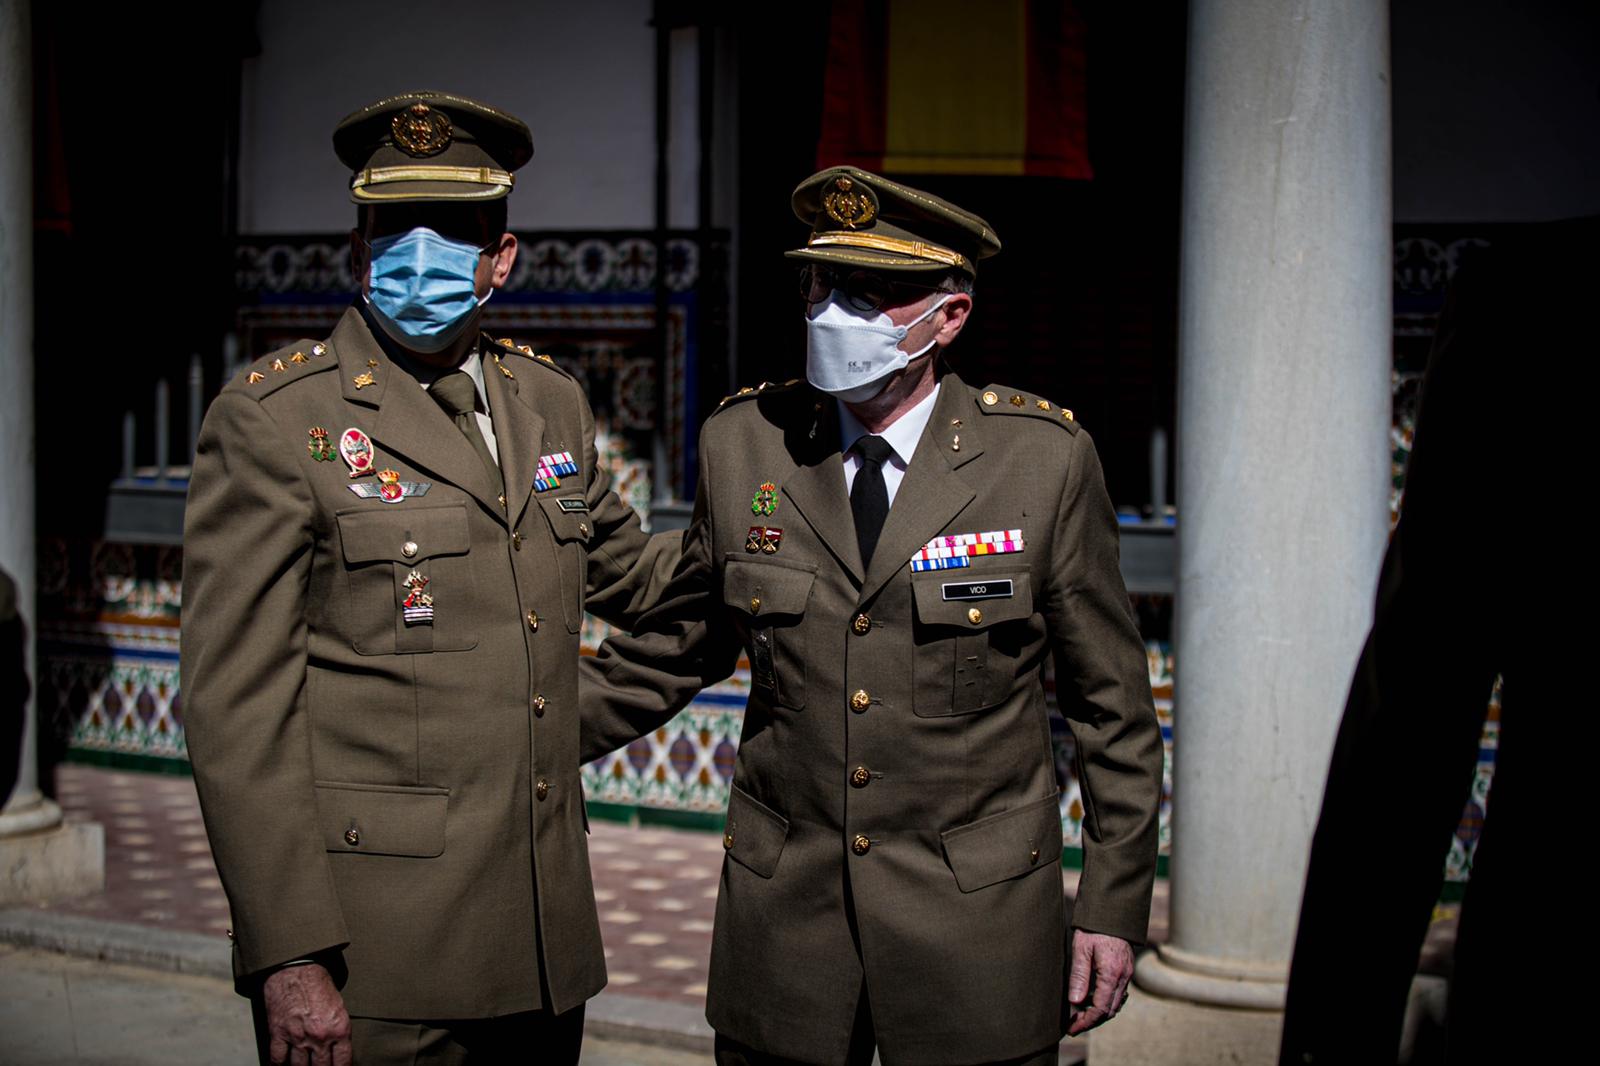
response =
{"points": [[1285, 328]]}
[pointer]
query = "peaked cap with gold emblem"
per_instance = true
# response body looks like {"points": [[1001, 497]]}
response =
{"points": [[859, 219], [431, 146]]}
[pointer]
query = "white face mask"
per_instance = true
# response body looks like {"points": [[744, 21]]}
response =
{"points": [[850, 354]]}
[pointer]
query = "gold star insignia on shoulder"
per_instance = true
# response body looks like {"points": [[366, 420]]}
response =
{"points": [[363, 380], [372, 364], [1017, 401], [255, 376], [278, 367], [545, 359], [1043, 405], [298, 357], [506, 342], [1067, 415]]}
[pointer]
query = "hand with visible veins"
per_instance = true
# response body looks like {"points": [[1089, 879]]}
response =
{"points": [[306, 1019], [1101, 964]]}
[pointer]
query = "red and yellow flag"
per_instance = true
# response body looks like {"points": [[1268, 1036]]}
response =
{"points": [[948, 87]]}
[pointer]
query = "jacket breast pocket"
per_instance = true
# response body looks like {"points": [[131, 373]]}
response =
{"points": [[771, 598], [409, 575], [571, 530], [963, 663]]}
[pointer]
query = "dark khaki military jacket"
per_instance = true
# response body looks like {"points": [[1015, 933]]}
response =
{"points": [[894, 819], [408, 792]]}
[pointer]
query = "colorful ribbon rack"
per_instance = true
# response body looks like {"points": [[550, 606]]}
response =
{"points": [[551, 469], [957, 550]]}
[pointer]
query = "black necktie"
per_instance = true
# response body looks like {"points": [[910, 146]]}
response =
{"points": [[869, 496], [458, 395]]}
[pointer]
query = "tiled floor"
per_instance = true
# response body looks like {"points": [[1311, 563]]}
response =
{"points": [[656, 889]]}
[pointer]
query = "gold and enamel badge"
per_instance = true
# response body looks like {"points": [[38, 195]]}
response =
{"points": [[318, 444], [763, 539], [420, 131], [849, 206], [417, 607], [356, 447], [765, 501]]}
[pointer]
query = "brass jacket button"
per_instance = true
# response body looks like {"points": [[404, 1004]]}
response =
{"points": [[516, 540], [974, 615], [755, 604], [727, 838], [538, 706], [533, 621], [860, 700], [861, 626], [861, 777], [352, 836], [1033, 855], [409, 549], [542, 789], [861, 845]]}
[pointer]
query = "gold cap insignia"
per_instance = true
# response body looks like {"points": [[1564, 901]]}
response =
{"points": [[420, 131], [849, 206]]}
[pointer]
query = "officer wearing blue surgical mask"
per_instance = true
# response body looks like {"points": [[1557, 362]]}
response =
{"points": [[393, 534]]}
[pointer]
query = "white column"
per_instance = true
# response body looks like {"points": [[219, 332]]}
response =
{"points": [[39, 857], [1283, 412]]}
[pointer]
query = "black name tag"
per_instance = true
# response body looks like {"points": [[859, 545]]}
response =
{"points": [[571, 505], [977, 590]]}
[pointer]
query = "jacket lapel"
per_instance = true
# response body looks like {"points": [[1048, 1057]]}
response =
{"points": [[816, 488], [932, 494], [519, 433], [405, 421]]}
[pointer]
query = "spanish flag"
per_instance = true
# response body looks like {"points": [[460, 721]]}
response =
{"points": [[948, 87]]}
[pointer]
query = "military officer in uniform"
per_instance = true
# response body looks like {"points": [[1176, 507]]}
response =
{"points": [[898, 553], [392, 535]]}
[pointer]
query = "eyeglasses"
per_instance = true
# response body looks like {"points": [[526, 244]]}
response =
{"points": [[864, 290]]}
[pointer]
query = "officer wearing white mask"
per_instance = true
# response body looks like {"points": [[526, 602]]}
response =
{"points": [[898, 553], [393, 533]]}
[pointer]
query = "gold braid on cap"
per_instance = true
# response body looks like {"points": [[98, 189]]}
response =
{"points": [[916, 249], [467, 175]]}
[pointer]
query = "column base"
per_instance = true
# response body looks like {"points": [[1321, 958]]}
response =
{"points": [[1153, 1030], [43, 858]]}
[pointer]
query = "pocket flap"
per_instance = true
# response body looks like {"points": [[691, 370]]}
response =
{"points": [[1004, 845], [754, 834], [566, 523], [766, 588], [383, 819], [369, 536], [972, 602]]}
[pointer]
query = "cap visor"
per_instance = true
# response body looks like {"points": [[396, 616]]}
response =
{"points": [[870, 259], [404, 191]]}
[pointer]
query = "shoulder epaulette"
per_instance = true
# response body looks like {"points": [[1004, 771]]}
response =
{"points": [[998, 400], [763, 389], [505, 345], [273, 371]]}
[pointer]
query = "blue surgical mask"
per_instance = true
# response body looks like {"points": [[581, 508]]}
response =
{"points": [[421, 288]]}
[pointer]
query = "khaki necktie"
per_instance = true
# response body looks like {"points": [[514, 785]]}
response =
{"points": [[458, 395]]}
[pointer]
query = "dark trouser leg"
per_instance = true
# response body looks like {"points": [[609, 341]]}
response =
{"points": [[532, 1037]]}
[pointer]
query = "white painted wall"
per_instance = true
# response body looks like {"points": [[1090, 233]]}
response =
{"points": [[581, 75]]}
